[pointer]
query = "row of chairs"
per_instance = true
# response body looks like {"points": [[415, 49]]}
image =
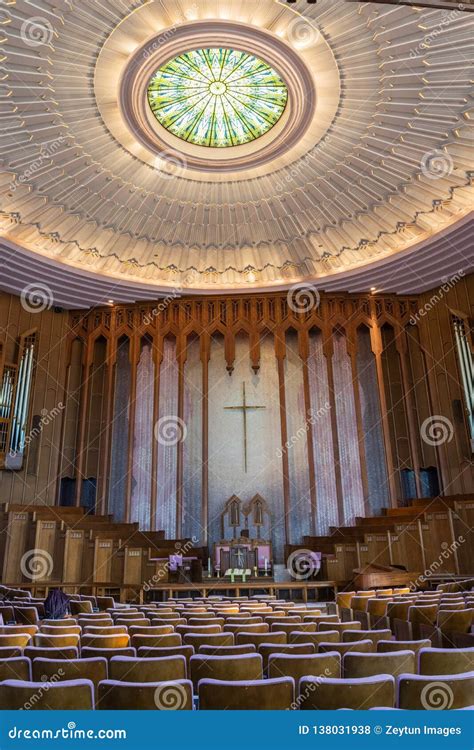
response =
{"points": [[341, 659], [407, 691], [446, 619]]}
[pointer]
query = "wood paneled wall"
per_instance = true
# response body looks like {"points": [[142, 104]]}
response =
{"points": [[37, 481], [442, 391], [426, 378]]}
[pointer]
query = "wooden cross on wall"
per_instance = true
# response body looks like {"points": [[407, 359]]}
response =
{"points": [[244, 408]]}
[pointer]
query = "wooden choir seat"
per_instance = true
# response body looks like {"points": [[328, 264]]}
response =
{"points": [[451, 622], [146, 696], [271, 695], [284, 619], [10, 652], [297, 636], [16, 668], [43, 640], [339, 626], [364, 647], [258, 638], [116, 640], [162, 629], [15, 629], [415, 646], [211, 639], [87, 652], [428, 692], [302, 665], [153, 641], [16, 640], [372, 635], [26, 615], [204, 629], [267, 649], [147, 669], [93, 669], [369, 665], [243, 648], [260, 627], [129, 621], [162, 651], [60, 629], [330, 694], [80, 607], [37, 652], [301, 627], [445, 660], [71, 695], [230, 668]]}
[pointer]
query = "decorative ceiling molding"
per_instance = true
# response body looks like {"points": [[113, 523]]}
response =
{"points": [[134, 112], [425, 266], [466, 6], [385, 164]]}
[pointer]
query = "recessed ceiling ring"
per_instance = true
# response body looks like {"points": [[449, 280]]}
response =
{"points": [[150, 56]]}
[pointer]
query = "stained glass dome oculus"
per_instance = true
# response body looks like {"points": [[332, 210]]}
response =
{"points": [[217, 97]]}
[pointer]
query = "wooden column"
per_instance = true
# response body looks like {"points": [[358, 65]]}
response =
{"points": [[135, 346], [280, 353], [181, 360], [377, 349], [157, 357], [106, 447], [328, 350], [351, 343], [85, 394], [402, 348], [303, 340], [430, 367], [65, 399], [205, 343]]}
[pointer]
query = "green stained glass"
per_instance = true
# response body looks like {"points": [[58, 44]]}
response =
{"points": [[217, 97]]}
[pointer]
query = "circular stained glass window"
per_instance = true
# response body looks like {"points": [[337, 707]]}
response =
{"points": [[217, 97]]}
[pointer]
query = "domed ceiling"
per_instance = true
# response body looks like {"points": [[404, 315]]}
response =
{"points": [[221, 146]]}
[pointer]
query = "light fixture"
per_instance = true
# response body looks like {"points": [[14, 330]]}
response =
{"points": [[217, 97]]}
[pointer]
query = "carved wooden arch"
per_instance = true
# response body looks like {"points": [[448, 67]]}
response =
{"points": [[234, 502], [250, 506]]}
